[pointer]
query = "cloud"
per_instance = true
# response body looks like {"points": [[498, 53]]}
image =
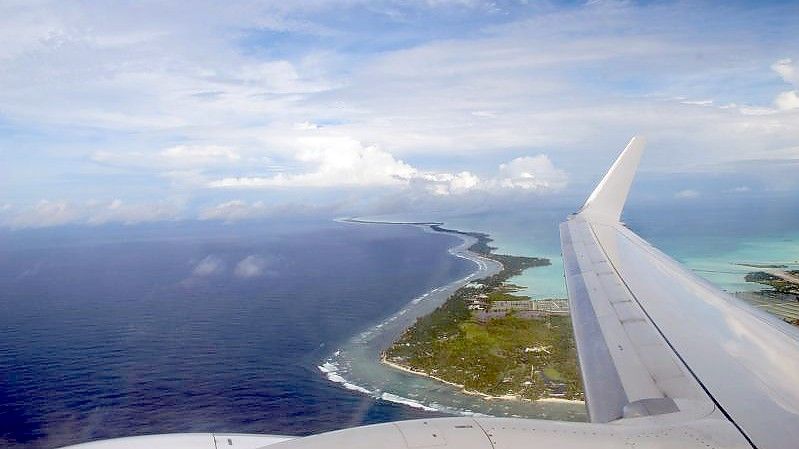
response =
{"points": [[43, 214], [48, 213], [179, 156], [787, 70], [208, 266], [249, 267], [532, 173], [698, 102], [199, 155], [234, 210], [237, 210], [787, 100], [447, 183], [333, 161], [178, 99], [740, 189], [118, 211], [344, 162], [687, 194]]}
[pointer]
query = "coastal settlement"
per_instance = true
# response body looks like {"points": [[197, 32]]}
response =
{"points": [[782, 296], [490, 341]]}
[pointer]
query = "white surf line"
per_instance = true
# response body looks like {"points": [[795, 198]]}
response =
{"points": [[331, 370]]}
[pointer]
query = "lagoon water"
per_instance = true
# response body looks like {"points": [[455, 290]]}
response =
{"points": [[116, 331]]}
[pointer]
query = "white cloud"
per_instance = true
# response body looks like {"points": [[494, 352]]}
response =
{"points": [[238, 210], [179, 156], [698, 102], [234, 210], [447, 183], [333, 161], [208, 266], [532, 173], [305, 126], [740, 189], [43, 214], [687, 194], [199, 154], [787, 100], [120, 212], [47, 213], [787, 70], [160, 74], [346, 162], [251, 266]]}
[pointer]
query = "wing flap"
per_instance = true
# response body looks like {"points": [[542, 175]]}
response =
{"points": [[623, 358]]}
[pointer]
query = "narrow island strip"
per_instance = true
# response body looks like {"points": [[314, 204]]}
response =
{"points": [[489, 341]]}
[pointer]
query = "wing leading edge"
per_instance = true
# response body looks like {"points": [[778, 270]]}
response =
{"points": [[659, 343]]}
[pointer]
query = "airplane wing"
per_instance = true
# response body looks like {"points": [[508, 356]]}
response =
{"points": [[668, 360], [655, 340]]}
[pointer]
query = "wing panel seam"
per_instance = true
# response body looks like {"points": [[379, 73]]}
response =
{"points": [[676, 353]]}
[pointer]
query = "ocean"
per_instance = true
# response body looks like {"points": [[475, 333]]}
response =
{"points": [[119, 331], [273, 327]]}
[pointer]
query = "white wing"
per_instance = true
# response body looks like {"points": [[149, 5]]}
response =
{"points": [[655, 340]]}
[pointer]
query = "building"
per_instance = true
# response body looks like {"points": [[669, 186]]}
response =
{"points": [[523, 309]]}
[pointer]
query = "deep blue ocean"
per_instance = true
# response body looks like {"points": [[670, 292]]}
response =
{"points": [[117, 331]]}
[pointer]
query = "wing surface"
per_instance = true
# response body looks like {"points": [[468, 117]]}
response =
{"points": [[654, 340]]}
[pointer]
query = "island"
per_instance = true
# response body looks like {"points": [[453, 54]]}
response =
{"points": [[488, 340], [781, 297]]}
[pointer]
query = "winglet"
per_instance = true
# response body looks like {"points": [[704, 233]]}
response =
{"points": [[608, 198]]}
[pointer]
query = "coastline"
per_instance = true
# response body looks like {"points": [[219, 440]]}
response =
{"points": [[358, 366], [507, 397], [366, 341], [461, 250]]}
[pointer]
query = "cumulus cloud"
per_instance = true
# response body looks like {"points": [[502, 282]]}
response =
{"points": [[532, 173], [43, 214], [208, 266], [47, 213], [346, 162], [788, 72], [687, 194], [787, 100], [447, 183], [234, 210], [249, 267], [333, 161]]}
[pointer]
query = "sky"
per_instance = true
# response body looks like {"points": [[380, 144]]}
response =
{"points": [[131, 112]]}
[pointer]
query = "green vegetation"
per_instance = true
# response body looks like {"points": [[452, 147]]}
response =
{"points": [[763, 265], [505, 293], [507, 355], [778, 284]]}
